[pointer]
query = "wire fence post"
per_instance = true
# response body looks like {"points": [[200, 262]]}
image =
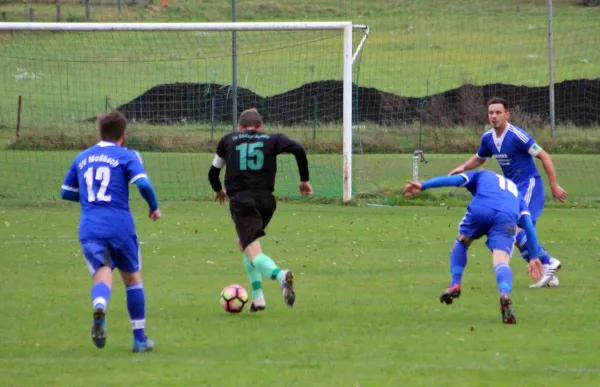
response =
{"points": [[551, 104], [234, 68]]}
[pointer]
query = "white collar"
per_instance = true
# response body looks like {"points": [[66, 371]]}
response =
{"points": [[105, 144], [499, 140]]}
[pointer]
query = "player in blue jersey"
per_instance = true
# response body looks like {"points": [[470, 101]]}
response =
{"points": [[99, 179], [497, 208], [515, 150]]}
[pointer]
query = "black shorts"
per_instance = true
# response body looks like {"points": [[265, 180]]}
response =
{"points": [[251, 212]]}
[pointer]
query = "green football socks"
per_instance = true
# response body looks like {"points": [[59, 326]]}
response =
{"points": [[267, 267], [255, 278]]}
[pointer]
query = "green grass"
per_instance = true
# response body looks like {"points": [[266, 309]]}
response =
{"points": [[367, 311], [416, 48], [38, 174]]}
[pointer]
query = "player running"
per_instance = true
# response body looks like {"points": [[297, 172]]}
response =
{"points": [[496, 209], [515, 149], [99, 179], [250, 158]]}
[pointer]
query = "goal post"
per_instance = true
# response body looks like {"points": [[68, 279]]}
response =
{"points": [[350, 54]]}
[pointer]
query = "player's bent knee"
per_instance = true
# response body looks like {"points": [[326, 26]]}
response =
{"points": [[252, 250], [500, 256], [131, 278], [104, 274], [464, 239]]}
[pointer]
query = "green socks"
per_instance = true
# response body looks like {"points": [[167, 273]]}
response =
{"points": [[267, 267], [255, 278]]}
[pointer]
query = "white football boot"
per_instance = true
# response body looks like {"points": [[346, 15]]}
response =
{"points": [[258, 305], [549, 278]]}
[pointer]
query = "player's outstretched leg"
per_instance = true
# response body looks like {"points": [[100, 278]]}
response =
{"points": [[258, 298], [136, 306], [504, 279], [100, 294], [269, 269], [458, 262]]}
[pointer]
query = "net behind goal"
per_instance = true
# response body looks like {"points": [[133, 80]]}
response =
{"points": [[175, 83]]}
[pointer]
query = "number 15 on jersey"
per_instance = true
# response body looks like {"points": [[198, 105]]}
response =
{"points": [[251, 156]]}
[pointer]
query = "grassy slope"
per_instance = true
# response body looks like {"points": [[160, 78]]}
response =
{"points": [[415, 49]]}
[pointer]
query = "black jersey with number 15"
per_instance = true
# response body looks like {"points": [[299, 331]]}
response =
{"points": [[251, 159]]}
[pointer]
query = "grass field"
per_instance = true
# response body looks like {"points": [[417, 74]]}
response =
{"points": [[38, 174], [368, 277], [367, 311]]}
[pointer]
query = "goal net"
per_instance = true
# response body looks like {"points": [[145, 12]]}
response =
{"points": [[178, 84]]}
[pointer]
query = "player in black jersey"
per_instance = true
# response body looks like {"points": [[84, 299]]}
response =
{"points": [[250, 158]]}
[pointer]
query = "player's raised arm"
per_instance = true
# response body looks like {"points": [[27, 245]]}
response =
{"points": [[215, 171], [70, 188], [137, 175], [287, 145], [474, 161], [413, 187]]}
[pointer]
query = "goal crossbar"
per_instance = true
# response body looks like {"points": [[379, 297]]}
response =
{"points": [[350, 55], [222, 26]]}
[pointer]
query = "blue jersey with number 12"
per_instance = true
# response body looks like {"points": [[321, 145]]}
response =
{"points": [[102, 174], [495, 192]]}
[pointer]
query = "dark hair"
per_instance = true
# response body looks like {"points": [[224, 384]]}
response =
{"points": [[111, 125], [495, 100], [250, 118]]}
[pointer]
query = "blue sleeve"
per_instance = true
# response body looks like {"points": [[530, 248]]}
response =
{"points": [[484, 151], [147, 192], [70, 186], [135, 168], [532, 243], [445, 181], [524, 141]]}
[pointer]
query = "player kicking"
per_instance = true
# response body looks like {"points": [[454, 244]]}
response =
{"points": [[497, 208], [515, 149], [98, 179], [250, 158]]}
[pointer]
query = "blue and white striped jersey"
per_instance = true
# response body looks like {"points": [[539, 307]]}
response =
{"points": [[515, 150]]}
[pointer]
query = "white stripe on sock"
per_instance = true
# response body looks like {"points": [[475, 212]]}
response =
{"points": [[99, 302], [138, 324]]}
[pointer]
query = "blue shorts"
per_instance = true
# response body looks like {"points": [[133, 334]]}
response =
{"points": [[533, 193], [500, 227], [122, 253]]}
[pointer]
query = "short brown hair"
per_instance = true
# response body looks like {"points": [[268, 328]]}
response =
{"points": [[250, 118], [495, 100], [112, 125]]}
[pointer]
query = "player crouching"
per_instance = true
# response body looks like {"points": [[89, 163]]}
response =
{"points": [[497, 208]]}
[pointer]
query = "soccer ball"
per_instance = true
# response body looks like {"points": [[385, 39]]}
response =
{"points": [[234, 298]]}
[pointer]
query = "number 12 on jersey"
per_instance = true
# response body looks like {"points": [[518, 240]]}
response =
{"points": [[250, 156], [102, 174]]}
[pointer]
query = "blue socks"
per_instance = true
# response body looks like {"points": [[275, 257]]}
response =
{"points": [[136, 306], [521, 243], [100, 294], [504, 278], [458, 261]]}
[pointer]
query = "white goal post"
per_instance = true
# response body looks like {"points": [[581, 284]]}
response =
{"points": [[349, 53]]}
